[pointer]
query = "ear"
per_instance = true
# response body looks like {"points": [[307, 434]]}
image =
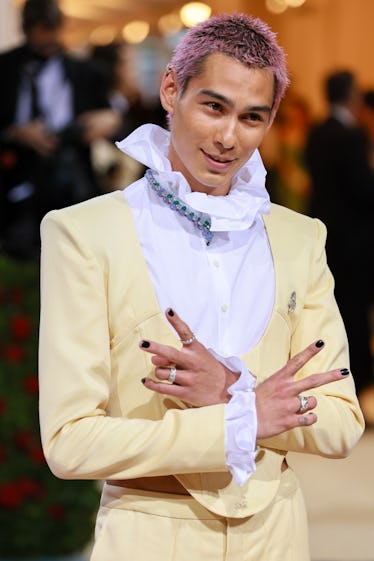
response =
{"points": [[168, 91]]}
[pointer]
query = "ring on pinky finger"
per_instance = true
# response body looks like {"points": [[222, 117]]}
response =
{"points": [[304, 404]]}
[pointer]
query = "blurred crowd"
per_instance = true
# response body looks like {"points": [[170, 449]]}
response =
{"points": [[60, 116], [325, 169]]}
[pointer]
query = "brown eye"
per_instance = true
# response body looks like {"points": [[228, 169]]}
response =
{"points": [[214, 105], [254, 117]]}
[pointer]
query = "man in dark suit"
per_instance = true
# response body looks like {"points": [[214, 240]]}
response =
{"points": [[52, 106], [343, 197]]}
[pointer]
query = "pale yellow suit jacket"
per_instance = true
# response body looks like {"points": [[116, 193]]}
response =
{"points": [[97, 419]]}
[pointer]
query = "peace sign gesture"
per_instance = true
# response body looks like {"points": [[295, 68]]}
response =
{"points": [[279, 403], [198, 378]]}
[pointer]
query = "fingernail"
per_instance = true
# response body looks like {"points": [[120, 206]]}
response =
{"points": [[170, 312], [344, 371], [320, 343], [145, 344], [143, 380]]}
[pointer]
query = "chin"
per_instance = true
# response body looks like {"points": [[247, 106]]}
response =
{"points": [[214, 182]]}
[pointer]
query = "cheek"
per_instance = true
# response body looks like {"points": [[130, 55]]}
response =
{"points": [[253, 140], [189, 134], [190, 120]]}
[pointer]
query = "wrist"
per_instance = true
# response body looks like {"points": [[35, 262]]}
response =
{"points": [[231, 378]]}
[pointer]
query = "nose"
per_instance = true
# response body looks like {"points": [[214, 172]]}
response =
{"points": [[225, 134]]}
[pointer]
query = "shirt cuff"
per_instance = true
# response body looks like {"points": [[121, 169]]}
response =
{"points": [[240, 421]]}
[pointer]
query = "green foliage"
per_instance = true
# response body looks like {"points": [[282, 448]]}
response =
{"points": [[39, 514]]}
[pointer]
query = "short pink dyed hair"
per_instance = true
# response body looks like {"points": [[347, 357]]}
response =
{"points": [[246, 39]]}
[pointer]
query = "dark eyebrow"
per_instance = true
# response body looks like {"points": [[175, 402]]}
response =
{"points": [[219, 97], [230, 103]]}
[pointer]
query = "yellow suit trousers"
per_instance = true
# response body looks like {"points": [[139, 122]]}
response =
{"points": [[137, 525]]}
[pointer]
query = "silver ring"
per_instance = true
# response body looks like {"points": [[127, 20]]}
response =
{"points": [[304, 404], [189, 340], [172, 374]]}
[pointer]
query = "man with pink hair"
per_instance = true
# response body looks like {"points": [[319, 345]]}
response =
{"points": [[188, 415]]}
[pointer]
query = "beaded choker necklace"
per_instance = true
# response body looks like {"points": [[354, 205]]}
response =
{"points": [[201, 220]]}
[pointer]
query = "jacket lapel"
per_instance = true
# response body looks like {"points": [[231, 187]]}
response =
{"points": [[263, 359]]}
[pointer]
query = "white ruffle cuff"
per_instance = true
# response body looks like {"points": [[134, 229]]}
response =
{"points": [[240, 421]]}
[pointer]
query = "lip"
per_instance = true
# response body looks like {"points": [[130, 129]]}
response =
{"points": [[217, 164]]}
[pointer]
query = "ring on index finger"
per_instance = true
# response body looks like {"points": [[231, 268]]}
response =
{"points": [[172, 374], [304, 404], [189, 340]]}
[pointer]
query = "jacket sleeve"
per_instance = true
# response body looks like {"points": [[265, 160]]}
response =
{"points": [[81, 440], [340, 422]]}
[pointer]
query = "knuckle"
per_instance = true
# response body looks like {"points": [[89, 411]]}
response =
{"points": [[304, 356], [315, 380], [313, 402], [298, 361], [289, 421], [290, 407]]}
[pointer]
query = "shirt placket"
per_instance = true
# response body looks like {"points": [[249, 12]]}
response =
{"points": [[222, 297]]}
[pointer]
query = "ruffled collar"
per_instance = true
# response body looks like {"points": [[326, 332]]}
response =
{"points": [[149, 144]]}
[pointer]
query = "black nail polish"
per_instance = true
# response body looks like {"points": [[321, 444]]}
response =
{"points": [[344, 371], [320, 343], [145, 344], [170, 312], [143, 380]]}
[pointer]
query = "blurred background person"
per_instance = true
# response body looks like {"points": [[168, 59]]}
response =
{"points": [[366, 118], [343, 198], [367, 121], [283, 151], [52, 106], [113, 61]]}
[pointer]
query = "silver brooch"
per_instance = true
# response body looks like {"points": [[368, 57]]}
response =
{"points": [[292, 302]]}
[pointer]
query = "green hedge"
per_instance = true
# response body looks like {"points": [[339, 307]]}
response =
{"points": [[39, 514]]}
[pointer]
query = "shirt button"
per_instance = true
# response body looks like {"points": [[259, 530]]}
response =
{"points": [[241, 504], [224, 307], [216, 263]]}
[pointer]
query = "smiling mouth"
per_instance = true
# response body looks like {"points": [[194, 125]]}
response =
{"points": [[218, 159]]}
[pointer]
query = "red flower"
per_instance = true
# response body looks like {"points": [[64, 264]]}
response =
{"points": [[30, 488], [20, 326], [56, 511], [13, 353], [11, 495], [14, 493], [31, 384]]}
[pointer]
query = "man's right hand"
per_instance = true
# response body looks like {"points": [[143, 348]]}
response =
{"points": [[35, 135], [277, 398]]}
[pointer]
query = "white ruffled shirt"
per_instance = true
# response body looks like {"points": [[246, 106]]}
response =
{"points": [[224, 291]]}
